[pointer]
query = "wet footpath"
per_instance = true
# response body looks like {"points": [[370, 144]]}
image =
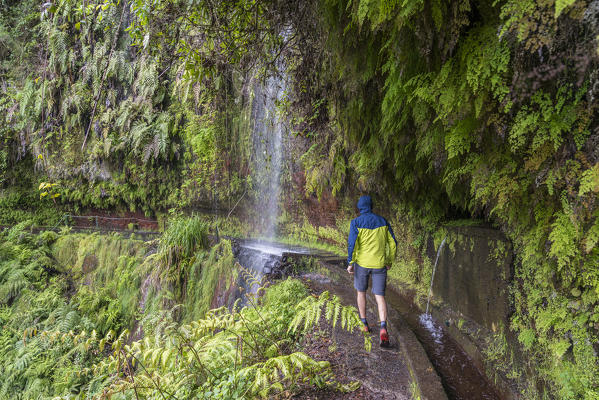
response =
{"points": [[402, 371]]}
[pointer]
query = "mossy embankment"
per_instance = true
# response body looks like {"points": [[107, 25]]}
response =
{"points": [[64, 283], [107, 316]]}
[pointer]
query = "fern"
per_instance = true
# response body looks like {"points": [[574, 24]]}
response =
{"points": [[561, 5], [309, 313], [182, 239], [265, 378], [225, 352], [589, 181], [564, 236]]}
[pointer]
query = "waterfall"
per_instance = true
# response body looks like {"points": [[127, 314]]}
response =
{"points": [[426, 319], [267, 134], [430, 291], [268, 131]]}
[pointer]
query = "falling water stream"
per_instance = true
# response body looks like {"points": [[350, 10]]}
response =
{"points": [[426, 319], [461, 379], [268, 131], [430, 290], [267, 136]]}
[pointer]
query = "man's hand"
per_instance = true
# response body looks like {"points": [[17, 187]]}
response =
{"points": [[350, 268], [388, 266]]}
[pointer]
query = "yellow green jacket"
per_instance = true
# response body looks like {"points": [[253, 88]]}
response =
{"points": [[371, 242]]}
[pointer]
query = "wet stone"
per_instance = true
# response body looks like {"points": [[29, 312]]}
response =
{"points": [[474, 273]]}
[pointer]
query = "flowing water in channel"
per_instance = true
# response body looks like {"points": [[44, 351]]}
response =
{"points": [[460, 377]]}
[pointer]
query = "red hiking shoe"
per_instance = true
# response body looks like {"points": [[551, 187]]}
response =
{"points": [[384, 338]]}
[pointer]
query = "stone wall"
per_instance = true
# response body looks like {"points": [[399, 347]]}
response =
{"points": [[473, 274]]}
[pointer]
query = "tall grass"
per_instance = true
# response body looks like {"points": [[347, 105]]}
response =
{"points": [[182, 238]]}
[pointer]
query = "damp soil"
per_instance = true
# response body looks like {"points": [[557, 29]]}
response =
{"points": [[382, 373]]}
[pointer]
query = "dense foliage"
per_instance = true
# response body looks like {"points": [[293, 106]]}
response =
{"points": [[482, 109], [115, 125], [45, 305], [247, 353], [96, 316]]}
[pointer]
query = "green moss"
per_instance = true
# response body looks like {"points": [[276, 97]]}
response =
{"points": [[498, 251]]}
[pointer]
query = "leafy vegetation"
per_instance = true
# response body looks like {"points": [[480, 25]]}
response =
{"points": [[447, 110], [47, 311], [113, 126], [246, 353], [484, 110], [71, 330]]}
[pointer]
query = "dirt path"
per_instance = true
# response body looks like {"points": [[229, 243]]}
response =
{"points": [[383, 373]]}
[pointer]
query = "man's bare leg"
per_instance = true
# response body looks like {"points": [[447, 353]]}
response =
{"points": [[362, 304], [382, 306]]}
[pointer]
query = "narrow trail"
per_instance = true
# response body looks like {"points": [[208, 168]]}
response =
{"points": [[423, 358], [406, 355], [401, 372], [103, 222], [384, 372], [437, 363]]}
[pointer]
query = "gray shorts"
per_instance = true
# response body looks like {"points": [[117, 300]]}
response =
{"points": [[379, 279]]}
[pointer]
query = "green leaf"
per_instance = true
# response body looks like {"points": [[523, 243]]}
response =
{"points": [[559, 348], [527, 338], [589, 181], [592, 237], [560, 5]]}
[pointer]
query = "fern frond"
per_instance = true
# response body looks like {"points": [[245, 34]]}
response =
{"points": [[309, 313]]}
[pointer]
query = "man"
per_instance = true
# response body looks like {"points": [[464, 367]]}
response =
{"points": [[371, 249]]}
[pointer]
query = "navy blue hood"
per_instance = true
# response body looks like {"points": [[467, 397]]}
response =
{"points": [[365, 204]]}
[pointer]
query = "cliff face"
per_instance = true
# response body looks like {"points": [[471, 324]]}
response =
{"points": [[441, 110]]}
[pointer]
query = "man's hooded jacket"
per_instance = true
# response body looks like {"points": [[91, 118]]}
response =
{"points": [[371, 242]]}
